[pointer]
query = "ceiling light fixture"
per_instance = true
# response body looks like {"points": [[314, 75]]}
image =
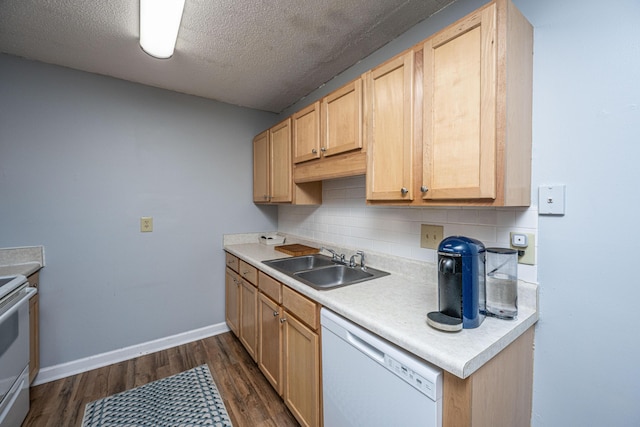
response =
{"points": [[159, 24]]}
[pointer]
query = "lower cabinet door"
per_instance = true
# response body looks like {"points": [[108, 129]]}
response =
{"points": [[270, 341], [301, 371], [248, 318], [232, 301]]}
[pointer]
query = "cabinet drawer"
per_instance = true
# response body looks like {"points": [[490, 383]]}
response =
{"points": [[270, 287], [248, 272], [232, 261], [301, 307]]}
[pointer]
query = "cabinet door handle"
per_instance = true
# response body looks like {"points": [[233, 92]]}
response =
{"points": [[314, 151], [424, 189], [283, 320], [275, 314], [323, 149], [403, 190]]}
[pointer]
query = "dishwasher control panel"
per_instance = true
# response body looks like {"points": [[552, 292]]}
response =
{"points": [[410, 376]]}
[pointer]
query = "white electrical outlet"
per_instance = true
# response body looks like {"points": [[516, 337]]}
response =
{"points": [[525, 244], [519, 240]]}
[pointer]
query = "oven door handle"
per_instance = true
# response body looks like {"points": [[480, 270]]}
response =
{"points": [[15, 305]]}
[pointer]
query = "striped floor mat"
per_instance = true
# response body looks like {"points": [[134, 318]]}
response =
{"points": [[188, 399]]}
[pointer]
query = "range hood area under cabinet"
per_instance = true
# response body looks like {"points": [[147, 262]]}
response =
{"points": [[445, 123]]}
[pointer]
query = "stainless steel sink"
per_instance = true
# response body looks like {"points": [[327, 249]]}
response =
{"points": [[320, 272], [300, 263]]}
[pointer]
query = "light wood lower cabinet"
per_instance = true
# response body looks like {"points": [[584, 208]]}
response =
{"points": [[249, 307], [301, 371], [499, 394], [289, 348], [34, 328], [232, 301], [279, 328], [270, 340]]}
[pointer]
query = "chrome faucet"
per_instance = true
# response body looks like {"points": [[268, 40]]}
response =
{"points": [[335, 256], [352, 260]]}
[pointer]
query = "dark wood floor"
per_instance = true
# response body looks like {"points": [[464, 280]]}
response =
{"points": [[248, 397]]}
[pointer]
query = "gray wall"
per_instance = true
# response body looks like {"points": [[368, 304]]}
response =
{"points": [[82, 158], [586, 134]]}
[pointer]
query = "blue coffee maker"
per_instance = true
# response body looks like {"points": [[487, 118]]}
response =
{"points": [[461, 284]]}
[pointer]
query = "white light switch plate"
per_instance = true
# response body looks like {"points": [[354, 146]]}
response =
{"points": [[551, 199]]}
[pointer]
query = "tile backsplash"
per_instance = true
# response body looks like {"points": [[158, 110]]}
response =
{"points": [[345, 219]]}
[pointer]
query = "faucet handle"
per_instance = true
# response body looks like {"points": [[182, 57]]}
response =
{"points": [[334, 255], [352, 260]]}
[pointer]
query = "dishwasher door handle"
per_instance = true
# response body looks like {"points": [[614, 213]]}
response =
{"points": [[365, 347]]}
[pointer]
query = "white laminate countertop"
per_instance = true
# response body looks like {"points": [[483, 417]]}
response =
{"points": [[25, 260], [395, 308]]}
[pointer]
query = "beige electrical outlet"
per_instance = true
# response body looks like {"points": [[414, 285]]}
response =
{"points": [[529, 255], [431, 236], [146, 224]]}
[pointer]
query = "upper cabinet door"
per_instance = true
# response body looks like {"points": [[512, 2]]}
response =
{"points": [[306, 133], [280, 154], [389, 129], [342, 119], [261, 168], [459, 146]]}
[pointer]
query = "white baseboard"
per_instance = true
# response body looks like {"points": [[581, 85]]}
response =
{"points": [[63, 370]]}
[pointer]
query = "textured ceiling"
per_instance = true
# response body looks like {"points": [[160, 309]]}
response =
{"points": [[255, 53]]}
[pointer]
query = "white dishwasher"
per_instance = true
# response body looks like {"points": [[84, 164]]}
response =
{"points": [[370, 382]]}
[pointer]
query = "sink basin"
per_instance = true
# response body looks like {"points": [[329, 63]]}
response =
{"points": [[320, 272], [300, 263]]}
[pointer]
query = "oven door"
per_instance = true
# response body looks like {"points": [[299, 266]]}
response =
{"points": [[14, 340]]}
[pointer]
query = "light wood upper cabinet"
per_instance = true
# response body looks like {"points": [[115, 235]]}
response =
{"points": [[306, 133], [273, 170], [261, 169], [477, 110], [460, 109], [342, 120], [389, 129], [280, 157], [339, 147]]}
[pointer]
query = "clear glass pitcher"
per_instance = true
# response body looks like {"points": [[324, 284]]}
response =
{"points": [[502, 283]]}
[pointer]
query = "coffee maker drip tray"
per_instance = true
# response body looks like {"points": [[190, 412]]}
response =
{"points": [[439, 320]]}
